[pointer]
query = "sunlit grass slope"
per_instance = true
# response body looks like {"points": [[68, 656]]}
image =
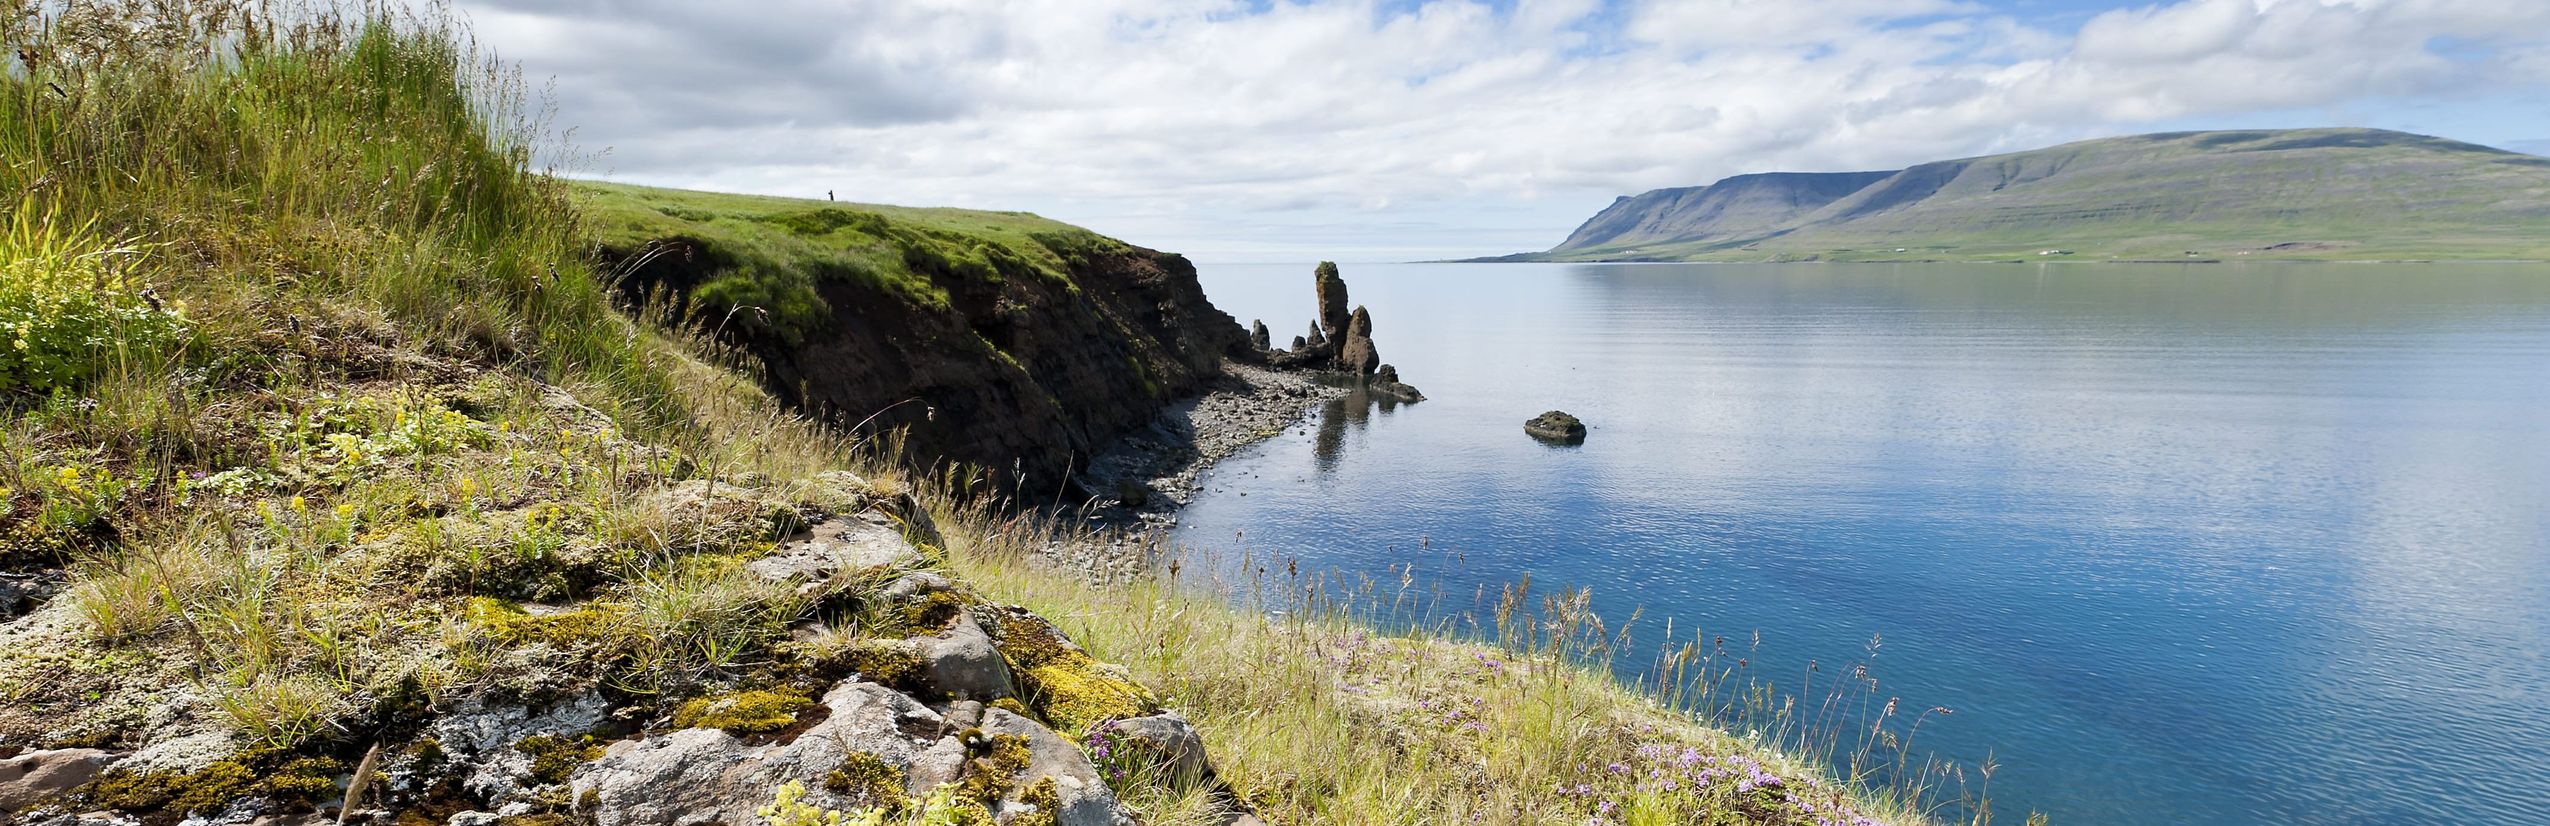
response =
{"points": [[772, 253], [313, 390]]}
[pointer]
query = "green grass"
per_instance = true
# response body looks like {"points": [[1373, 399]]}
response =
{"points": [[350, 426], [1317, 717], [774, 254], [2324, 195], [335, 365]]}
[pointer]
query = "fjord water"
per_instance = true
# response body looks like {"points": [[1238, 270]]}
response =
{"points": [[2232, 544]]}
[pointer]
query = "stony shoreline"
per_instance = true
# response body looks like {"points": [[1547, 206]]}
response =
{"points": [[1138, 485], [1152, 473]]}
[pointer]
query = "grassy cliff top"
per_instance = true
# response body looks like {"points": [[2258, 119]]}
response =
{"points": [[319, 422], [771, 253], [2309, 194]]}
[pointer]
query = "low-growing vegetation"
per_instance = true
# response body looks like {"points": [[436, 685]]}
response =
{"points": [[325, 422], [1318, 716]]}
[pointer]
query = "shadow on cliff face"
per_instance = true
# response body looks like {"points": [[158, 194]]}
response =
{"points": [[1023, 375]]}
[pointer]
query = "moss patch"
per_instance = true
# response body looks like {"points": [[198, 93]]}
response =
{"points": [[1047, 798], [998, 760], [870, 780], [886, 662], [743, 712], [1065, 686], [554, 758], [214, 787]]}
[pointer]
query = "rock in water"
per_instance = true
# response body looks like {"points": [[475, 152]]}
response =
{"points": [[1318, 340], [1356, 355], [1332, 300], [1556, 427], [1258, 335], [1385, 381]]}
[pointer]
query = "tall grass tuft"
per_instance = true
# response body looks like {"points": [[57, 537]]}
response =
{"points": [[280, 157]]}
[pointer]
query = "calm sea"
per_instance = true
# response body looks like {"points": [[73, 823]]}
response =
{"points": [[2255, 544]]}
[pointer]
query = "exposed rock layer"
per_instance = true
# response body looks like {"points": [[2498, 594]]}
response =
{"points": [[1021, 372]]}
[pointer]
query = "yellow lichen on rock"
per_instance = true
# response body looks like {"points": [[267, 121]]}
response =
{"points": [[743, 712], [1065, 687]]}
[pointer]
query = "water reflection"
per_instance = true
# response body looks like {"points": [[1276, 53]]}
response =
{"points": [[1351, 413], [2231, 544]]}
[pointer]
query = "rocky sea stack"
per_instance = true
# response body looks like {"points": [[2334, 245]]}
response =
{"points": [[1340, 342], [1556, 427]]}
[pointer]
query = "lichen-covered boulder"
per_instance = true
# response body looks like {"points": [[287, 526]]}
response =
{"points": [[702, 776], [34, 778], [1079, 796], [960, 663], [849, 544], [1068, 688], [487, 738], [871, 743]]}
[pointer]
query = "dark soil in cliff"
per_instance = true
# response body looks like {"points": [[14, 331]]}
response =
{"points": [[1003, 342]]}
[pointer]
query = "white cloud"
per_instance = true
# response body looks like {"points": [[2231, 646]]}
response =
{"points": [[1171, 121]]}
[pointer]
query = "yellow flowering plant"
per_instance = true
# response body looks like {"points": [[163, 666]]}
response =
{"points": [[70, 306]]}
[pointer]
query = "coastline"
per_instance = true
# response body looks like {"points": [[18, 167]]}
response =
{"points": [[1149, 474], [1137, 486]]}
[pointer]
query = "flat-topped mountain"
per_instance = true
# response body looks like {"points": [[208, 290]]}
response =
{"points": [[2309, 193]]}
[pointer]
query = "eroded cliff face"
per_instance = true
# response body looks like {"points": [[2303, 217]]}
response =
{"points": [[1024, 373]]}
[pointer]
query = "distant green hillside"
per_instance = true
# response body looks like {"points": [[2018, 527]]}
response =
{"points": [[2325, 194]]}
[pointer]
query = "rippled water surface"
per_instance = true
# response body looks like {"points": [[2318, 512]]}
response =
{"points": [[2186, 545]]}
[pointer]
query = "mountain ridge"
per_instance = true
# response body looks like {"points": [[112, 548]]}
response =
{"points": [[2306, 193]]}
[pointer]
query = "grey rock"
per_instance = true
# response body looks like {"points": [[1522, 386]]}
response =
{"points": [[697, 777], [91, 819], [815, 556], [29, 780], [1259, 337], [242, 812], [21, 594], [915, 585], [481, 736], [182, 753], [940, 764], [1300, 344], [474, 819], [1168, 741], [964, 714], [1086, 801], [304, 819], [960, 663], [1557, 427]]}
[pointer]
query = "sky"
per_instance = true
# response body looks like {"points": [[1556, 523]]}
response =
{"points": [[1385, 130]]}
